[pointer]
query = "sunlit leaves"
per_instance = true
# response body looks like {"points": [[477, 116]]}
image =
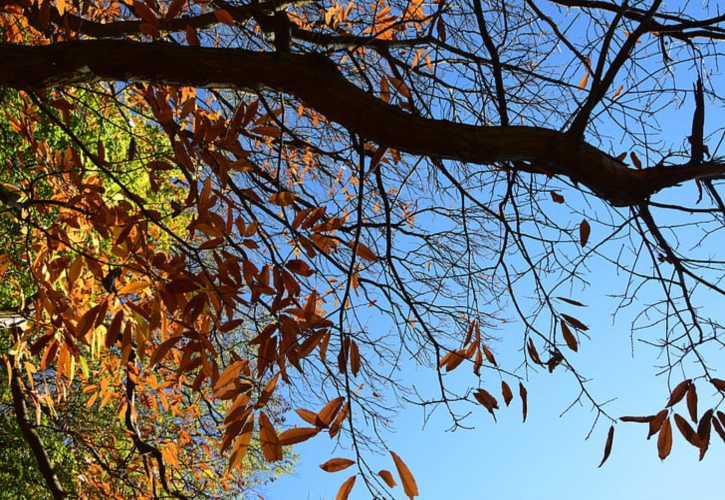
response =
{"points": [[410, 487], [336, 464]]}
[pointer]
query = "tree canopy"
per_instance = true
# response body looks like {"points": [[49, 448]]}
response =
{"points": [[216, 209]]}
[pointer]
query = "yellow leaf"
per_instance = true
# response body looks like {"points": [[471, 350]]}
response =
{"points": [[133, 287]]}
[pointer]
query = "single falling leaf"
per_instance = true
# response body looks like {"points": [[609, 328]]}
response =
{"points": [[568, 336], [387, 477], [524, 405], [608, 445], [508, 396], [336, 464], [678, 393], [346, 488], [406, 477], [584, 231], [664, 440]]}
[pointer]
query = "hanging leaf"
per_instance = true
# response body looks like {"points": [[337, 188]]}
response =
{"points": [[703, 432], [387, 477], [571, 301], [583, 82], [524, 405], [687, 432], [533, 353], [327, 413], [336, 464], [664, 441], [656, 423], [584, 232], [556, 197], [297, 435], [718, 383], [568, 336], [406, 477], [346, 488], [508, 396], [608, 445], [678, 393], [692, 402], [283, 198], [575, 322]]}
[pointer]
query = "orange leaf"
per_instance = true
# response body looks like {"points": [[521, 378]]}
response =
{"points": [[354, 358], [664, 441], [678, 393], [346, 488], [635, 159], [271, 447], [406, 477], [584, 232], [583, 82], [608, 445], [387, 477], [299, 267], [307, 415], [363, 251], [326, 414], [297, 435], [223, 16], [239, 450], [133, 287], [336, 464], [568, 337], [282, 198]]}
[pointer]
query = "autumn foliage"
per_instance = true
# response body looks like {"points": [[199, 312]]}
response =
{"points": [[232, 222]]}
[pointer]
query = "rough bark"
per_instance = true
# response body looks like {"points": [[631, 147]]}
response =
{"points": [[316, 81]]}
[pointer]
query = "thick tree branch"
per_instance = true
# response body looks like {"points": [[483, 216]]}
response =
{"points": [[45, 465], [316, 80]]}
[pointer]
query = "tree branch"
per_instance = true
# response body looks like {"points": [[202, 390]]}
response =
{"points": [[316, 80]]}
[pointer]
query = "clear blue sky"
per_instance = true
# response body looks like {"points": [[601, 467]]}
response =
{"points": [[548, 457]]}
